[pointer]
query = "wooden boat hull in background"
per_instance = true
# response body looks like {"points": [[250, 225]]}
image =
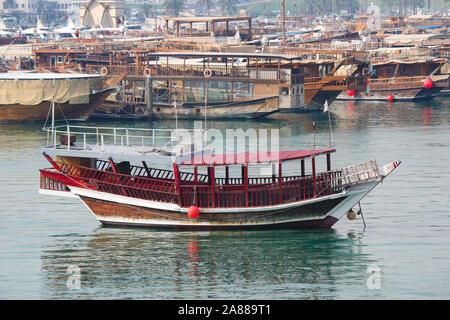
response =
{"points": [[249, 109], [407, 94], [41, 111], [401, 89]]}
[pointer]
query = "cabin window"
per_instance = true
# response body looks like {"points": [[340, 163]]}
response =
{"points": [[53, 61], [387, 71], [60, 59], [416, 70], [307, 72], [403, 71], [242, 90]]}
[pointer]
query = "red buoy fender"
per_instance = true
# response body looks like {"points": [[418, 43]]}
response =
{"points": [[193, 212], [351, 92], [390, 98], [428, 83]]}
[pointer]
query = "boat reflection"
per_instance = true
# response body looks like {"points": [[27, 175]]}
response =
{"points": [[350, 114], [153, 264]]}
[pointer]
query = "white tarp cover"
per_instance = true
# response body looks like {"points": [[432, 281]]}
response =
{"points": [[33, 89]]}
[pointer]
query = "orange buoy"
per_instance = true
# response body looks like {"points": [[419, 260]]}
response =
{"points": [[351, 215], [390, 98], [351, 92], [428, 83], [193, 212]]}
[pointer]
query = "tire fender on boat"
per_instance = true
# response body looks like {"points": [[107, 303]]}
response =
{"points": [[104, 71]]}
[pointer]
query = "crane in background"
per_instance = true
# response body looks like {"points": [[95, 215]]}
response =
{"points": [[244, 12], [315, 7]]}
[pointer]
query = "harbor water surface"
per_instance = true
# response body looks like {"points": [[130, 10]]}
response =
{"points": [[403, 253]]}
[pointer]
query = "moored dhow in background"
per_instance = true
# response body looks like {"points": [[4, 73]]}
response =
{"points": [[171, 186], [213, 84], [402, 80], [29, 96]]}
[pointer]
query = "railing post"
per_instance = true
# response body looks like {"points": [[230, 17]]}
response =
{"points": [[280, 182], [328, 162], [195, 184], [245, 177], [313, 162], [176, 176], [213, 186]]}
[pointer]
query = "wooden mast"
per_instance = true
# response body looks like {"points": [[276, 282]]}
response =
{"points": [[283, 21]]}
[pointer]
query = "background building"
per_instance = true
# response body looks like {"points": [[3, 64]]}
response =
{"points": [[104, 14], [24, 6]]}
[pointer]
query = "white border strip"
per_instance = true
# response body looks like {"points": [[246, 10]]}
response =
{"points": [[65, 194], [176, 208]]}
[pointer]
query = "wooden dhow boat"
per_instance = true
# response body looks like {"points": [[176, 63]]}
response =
{"points": [[29, 96], [176, 186], [401, 80]]}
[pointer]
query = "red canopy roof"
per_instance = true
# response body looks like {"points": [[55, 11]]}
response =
{"points": [[251, 157]]}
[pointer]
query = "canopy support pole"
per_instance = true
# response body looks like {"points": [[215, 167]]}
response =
{"points": [[280, 182], [313, 162], [245, 178]]}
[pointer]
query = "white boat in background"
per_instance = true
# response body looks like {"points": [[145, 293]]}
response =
{"points": [[39, 31], [5, 31], [67, 32]]}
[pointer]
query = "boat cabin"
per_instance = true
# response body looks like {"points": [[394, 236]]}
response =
{"points": [[253, 179]]}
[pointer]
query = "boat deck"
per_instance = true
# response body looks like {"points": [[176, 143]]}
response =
{"points": [[158, 146]]}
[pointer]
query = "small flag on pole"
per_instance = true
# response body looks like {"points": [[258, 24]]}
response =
{"points": [[314, 126], [325, 106]]}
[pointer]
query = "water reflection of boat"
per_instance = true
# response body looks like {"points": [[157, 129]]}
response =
{"points": [[178, 265]]}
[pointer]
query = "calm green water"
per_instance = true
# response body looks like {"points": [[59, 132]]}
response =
{"points": [[406, 240]]}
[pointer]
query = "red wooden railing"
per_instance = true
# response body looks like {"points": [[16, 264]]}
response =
{"points": [[52, 184], [262, 194], [258, 192]]}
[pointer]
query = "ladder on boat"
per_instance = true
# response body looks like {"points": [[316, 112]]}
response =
{"points": [[361, 172]]}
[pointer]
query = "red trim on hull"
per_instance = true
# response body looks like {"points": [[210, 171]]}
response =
{"points": [[328, 222]]}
